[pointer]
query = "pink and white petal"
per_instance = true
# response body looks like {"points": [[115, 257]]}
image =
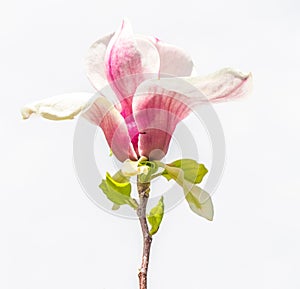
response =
{"points": [[103, 113], [223, 85], [159, 105], [94, 62], [157, 112], [60, 107], [174, 61], [149, 55], [128, 59]]}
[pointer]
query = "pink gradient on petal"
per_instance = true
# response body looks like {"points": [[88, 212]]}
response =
{"points": [[133, 132], [122, 60], [159, 105], [129, 61], [174, 61], [105, 115], [95, 62], [154, 143], [157, 115], [223, 85]]}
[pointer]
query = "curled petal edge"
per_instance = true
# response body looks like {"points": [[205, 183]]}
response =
{"points": [[59, 107], [98, 110]]}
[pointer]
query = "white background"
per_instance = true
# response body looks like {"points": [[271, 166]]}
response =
{"points": [[52, 236]]}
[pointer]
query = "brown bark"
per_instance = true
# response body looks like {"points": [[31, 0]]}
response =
{"points": [[143, 190]]}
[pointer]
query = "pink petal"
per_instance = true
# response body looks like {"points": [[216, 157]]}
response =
{"points": [[174, 61], [157, 112], [104, 114], [94, 62], [128, 59], [159, 105]]}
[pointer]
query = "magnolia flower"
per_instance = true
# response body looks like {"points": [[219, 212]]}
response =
{"points": [[144, 73]]}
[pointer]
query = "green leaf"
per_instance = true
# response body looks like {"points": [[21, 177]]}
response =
{"points": [[199, 201], [193, 172], [118, 190], [115, 207], [156, 215], [153, 167], [187, 173], [174, 173], [120, 178]]}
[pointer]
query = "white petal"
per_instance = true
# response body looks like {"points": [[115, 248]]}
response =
{"points": [[132, 168], [223, 85], [174, 61], [129, 168], [94, 62], [59, 107]]}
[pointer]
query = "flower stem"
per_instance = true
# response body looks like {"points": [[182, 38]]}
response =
{"points": [[143, 190]]}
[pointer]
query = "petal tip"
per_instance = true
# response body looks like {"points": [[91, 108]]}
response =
{"points": [[26, 112], [250, 76], [125, 22], [246, 76], [126, 26], [236, 72], [210, 217]]}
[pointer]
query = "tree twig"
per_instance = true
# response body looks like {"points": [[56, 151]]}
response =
{"points": [[143, 190]]}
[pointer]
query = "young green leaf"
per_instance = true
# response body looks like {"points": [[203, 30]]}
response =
{"points": [[152, 169], [174, 173], [155, 216], [118, 191], [199, 201], [120, 178], [193, 172], [186, 173]]}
